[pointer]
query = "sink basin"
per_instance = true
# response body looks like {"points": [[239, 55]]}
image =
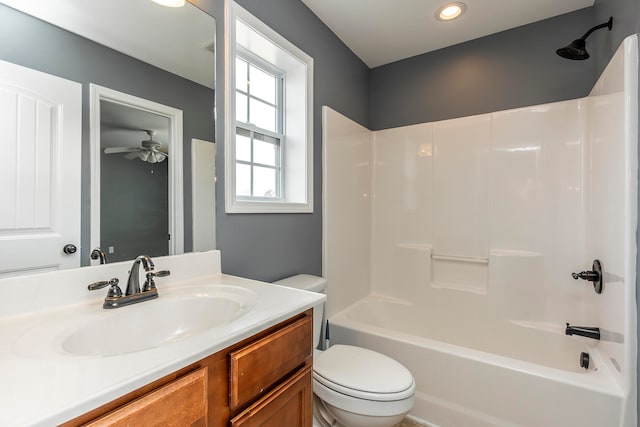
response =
{"points": [[177, 314]]}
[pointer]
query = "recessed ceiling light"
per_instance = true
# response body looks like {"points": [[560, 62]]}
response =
{"points": [[450, 11], [170, 3]]}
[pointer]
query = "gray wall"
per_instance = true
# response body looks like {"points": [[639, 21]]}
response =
{"points": [[626, 20], [136, 218], [272, 246], [511, 69], [32, 43]]}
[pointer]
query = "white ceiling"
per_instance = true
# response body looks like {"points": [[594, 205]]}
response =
{"points": [[175, 39], [384, 31], [122, 126]]}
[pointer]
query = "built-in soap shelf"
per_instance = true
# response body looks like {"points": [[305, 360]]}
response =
{"points": [[475, 260], [461, 273], [418, 265]]}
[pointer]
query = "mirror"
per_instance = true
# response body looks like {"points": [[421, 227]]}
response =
{"points": [[137, 47]]}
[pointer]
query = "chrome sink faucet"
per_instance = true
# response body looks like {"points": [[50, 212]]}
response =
{"points": [[133, 294], [133, 284], [98, 253]]}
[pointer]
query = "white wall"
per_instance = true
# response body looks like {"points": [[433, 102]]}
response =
{"points": [[490, 196], [611, 207], [347, 210]]}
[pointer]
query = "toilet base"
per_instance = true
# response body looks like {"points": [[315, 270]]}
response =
{"points": [[326, 415]]}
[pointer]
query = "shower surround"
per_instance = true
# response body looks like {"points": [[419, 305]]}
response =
{"points": [[450, 246]]}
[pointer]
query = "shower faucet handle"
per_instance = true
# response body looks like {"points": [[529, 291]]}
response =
{"points": [[594, 275], [591, 276]]}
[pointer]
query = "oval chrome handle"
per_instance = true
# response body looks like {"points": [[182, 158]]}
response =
{"points": [[69, 249]]}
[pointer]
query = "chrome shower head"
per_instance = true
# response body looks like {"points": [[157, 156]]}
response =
{"points": [[577, 49]]}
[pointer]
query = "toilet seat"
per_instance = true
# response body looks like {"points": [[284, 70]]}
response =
{"points": [[363, 374]]}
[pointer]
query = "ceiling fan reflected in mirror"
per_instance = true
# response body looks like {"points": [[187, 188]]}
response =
{"points": [[149, 151]]}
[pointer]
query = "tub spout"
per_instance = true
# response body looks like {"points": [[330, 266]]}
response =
{"points": [[583, 331]]}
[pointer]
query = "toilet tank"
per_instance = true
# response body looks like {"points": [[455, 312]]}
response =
{"points": [[308, 282]]}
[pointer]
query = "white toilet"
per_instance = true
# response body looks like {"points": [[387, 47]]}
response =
{"points": [[353, 386]]}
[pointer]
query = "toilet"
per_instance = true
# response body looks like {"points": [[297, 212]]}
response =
{"points": [[353, 386]]}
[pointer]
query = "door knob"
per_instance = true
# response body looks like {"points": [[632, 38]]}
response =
{"points": [[69, 249]]}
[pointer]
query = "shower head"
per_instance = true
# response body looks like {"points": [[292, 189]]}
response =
{"points": [[577, 49]]}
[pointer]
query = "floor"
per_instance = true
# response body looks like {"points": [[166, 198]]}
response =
{"points": [[408, 423]]}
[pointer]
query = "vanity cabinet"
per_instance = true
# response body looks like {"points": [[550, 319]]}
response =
{"points": [[264, 380]]}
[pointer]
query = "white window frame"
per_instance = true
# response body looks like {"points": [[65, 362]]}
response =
{"points": [[297, 146]]}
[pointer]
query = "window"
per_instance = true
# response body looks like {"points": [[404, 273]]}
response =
{"points": [[269, 154], [259, 129]]}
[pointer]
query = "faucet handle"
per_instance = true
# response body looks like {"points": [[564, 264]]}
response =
{"points": [[594, 275], [99, 285], [150, 284], [114, 290], [161, 273]]}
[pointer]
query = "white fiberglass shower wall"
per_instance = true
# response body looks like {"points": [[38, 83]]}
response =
{"points": [[480, 221]]}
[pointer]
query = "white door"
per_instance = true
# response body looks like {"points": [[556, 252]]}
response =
{"points": [[40, 135], [203, 194]]}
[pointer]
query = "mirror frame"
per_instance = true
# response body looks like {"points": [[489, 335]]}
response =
{"points": [[176, 202]]}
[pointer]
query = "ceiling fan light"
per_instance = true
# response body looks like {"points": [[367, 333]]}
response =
{"points": [[144, 155], [161, 158], [170, 3]]}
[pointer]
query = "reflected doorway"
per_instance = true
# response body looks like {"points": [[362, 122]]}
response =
{"points": [[136, 169]]}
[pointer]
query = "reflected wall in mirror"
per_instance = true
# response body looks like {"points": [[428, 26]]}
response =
{"points": [[78, 55]]}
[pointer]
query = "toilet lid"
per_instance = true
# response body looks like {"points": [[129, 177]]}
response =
{"points": [[362, 373]]}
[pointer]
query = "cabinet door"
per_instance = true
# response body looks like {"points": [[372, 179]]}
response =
{"points": [[182, 402], [287, 405], [257, 367]]}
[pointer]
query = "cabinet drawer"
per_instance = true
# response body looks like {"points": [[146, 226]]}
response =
{"points": [[260, 365], [182, 402], [289, 404]]}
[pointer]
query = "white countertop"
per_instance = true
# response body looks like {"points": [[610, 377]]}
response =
{"points": [[42, 385]]}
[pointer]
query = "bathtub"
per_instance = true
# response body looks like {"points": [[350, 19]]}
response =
{"points": [[475, 372]]}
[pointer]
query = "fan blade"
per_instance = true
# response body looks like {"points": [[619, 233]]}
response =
{"points": [[132, 155], [113, 150]]}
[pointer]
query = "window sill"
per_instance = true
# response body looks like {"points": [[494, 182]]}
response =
{"points": [[267, 207]]}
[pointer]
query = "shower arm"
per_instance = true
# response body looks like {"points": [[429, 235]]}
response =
{"points": [[608, 24]]}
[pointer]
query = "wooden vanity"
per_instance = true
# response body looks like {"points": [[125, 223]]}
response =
{"points": [[264, 380]]}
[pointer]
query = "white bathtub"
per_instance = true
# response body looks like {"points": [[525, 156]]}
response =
{"points": [[477, 373]]}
